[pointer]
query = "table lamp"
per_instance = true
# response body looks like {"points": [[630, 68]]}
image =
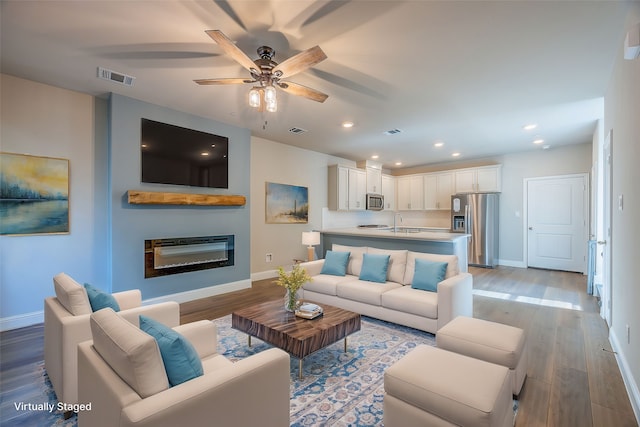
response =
{"points": [[310, 238]]}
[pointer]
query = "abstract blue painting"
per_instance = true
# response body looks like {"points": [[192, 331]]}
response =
{"points": [[34, 195]]}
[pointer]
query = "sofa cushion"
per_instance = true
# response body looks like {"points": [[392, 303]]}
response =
{"points": [[374, 267], [428, 274], [397, 263], [180, 358], [365, 292], [99, 299], [131, 353], [326, 283], [412, 301], [71, 295], [452, 267], [335, 263], [355, 259]]}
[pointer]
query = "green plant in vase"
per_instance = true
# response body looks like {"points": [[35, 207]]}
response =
{"points": [[292, 282]]}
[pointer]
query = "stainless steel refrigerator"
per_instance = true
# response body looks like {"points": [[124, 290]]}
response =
{"points": [[476, 214]]}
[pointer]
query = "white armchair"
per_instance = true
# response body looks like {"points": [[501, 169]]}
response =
{"points": [[122, 376], [66, 324]]}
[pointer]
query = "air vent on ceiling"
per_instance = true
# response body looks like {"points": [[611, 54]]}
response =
{"points": [[116, 77], [297, 130], [392, 132]]}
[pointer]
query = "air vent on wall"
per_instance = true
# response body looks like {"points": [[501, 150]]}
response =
{"points": [[297, 130], [392, 132], [116, 77]]}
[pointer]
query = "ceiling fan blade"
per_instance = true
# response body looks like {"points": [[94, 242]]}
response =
{"points": [[300, 62], [231, 49], [223, 81], [307, 92]]}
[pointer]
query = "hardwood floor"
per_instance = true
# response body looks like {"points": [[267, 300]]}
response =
{"points": [[573, 378]]}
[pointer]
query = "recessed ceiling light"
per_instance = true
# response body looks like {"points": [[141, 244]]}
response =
{"points": [[538, 141], [530, 126], [347, 125], [438, 144], [204, 153], [375, 156], [213, 145], [398, 163], [144, 145], [456, 154]]}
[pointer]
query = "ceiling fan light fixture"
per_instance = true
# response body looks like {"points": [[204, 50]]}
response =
{"points": [[272, 106], [269, 94], [254, 97]]}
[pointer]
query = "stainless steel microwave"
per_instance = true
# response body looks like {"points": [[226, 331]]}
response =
{"points": [[375, 202]]}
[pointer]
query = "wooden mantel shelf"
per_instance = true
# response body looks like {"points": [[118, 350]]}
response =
{"points": [[136, 197]]}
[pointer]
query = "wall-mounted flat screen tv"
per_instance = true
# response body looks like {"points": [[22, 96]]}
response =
{"points": [[180, 156]]}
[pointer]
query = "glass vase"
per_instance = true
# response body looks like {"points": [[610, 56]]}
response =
{"points": [[290, 300]]}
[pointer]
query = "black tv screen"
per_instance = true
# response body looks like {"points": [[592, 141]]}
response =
{"points": [[180, 156]]}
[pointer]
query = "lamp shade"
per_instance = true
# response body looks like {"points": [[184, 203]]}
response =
{"points": [[310, 238]]}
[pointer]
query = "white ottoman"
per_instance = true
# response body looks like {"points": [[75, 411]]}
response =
{"points": [[434, 387], [493, 342]]}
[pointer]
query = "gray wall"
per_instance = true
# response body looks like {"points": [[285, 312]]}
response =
{"points": [[131, 224]]}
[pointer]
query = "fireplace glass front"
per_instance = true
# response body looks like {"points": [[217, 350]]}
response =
{"points": [[184, 254]]}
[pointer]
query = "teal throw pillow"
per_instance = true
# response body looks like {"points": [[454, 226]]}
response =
{"points": [[180, 358], [428, 274], [335, 263], [99, 299], [374, 268]]}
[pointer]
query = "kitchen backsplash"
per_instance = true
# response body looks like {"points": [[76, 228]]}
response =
{"points": [[342, 219]]}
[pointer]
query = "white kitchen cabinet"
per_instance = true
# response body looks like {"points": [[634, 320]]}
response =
{"points": [[347, 188], [357, 189], [374, 175], [410, 193], [374, 180], [438, 188], [480, 179], [338, 186], [389, 192]]}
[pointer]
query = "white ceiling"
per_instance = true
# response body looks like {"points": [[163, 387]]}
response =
{"points": [[468, 73]]}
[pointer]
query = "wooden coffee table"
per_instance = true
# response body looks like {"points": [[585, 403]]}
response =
{"points": [[299, 337]]}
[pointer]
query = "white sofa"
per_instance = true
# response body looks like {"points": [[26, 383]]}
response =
{"points": [[395, 300], [122, 377]]}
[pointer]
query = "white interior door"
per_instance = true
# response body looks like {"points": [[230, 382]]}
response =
{"points": [[557, 231], [604, 240]]}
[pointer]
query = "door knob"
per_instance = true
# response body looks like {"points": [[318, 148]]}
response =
{"points": [[530, 228], [602, 242]]}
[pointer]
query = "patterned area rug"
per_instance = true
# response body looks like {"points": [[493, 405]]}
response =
{"points": [[338, 388]]}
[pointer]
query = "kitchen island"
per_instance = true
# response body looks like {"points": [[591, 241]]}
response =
{"points": [[418, 239]]}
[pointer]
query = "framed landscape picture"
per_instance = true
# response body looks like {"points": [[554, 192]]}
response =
{"points": [[34, 195], [286, 204]]}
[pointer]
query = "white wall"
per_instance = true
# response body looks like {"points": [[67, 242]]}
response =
{"points": [[46, 121], [283, 164], [622, 107], [515, 168]]}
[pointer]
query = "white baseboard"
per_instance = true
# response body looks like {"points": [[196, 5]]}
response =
{"points": [[21, 320], [28, 319], [627, 376], [201, 293], [269, 274], [512, 263]]}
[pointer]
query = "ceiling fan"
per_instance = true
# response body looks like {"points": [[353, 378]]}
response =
{"points": [[268, 74]]}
